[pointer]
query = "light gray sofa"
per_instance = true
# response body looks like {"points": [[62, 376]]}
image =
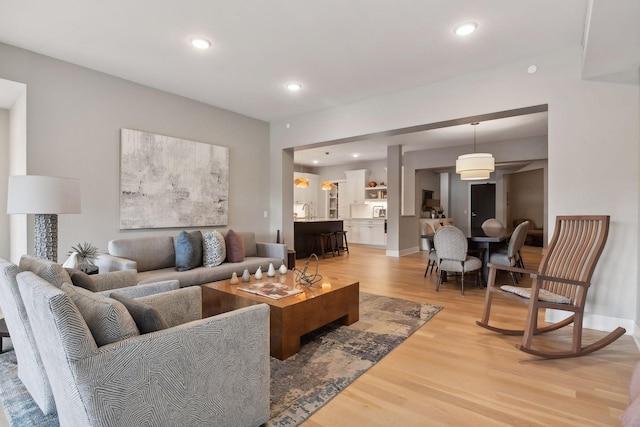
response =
{"points": [[31, 370], [213, 371], [154, 259]]}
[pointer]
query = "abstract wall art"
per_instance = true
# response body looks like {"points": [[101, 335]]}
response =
{"points": [[168, 182]]}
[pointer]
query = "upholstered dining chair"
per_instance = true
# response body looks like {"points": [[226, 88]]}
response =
{"points": [[451, 249], [509, 255], [426, 234], [560, 283]]}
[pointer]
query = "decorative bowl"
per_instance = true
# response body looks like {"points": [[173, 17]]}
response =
{"points": [[372, 184]]}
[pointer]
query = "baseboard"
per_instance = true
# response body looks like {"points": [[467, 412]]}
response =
{"points": [[598, 322], [398, 254]]}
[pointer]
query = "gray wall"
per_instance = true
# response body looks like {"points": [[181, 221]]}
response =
{"points": [[74, 117], [526, 196], [4, 173]]}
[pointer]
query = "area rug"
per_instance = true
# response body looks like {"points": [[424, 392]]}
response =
{"points": [[332, 357], [329, 360]]}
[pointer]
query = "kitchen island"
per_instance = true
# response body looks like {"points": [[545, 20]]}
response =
{"points": [[305, 229]]}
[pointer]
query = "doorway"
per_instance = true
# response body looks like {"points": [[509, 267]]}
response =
{"points": [[483, 203]]}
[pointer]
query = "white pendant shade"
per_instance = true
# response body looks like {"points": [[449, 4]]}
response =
{"points": [[475, 166]]}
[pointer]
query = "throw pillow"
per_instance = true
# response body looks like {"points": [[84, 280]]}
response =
{"points": [[214, 249], [81, 279], [235, 246], [107, 319], [188, 250], [147, 318]]}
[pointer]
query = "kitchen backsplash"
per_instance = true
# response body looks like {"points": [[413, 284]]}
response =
{"points": [[366, 210]]}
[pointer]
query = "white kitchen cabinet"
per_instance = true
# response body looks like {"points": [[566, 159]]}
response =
{"points": [[307, 195], [365, 231], [356, 181]]}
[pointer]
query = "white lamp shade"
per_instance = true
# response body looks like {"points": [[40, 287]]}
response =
{"points": [[475, 166], [35, 194]]}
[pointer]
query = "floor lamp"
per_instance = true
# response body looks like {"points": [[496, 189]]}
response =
{"points": [[46, 197]]}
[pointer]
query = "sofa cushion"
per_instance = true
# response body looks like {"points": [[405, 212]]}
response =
{"points": [[147, 318], [149, 253], [249, 240], [235, 246], [48, 270], [81, 279], [107, 319], [214, 249], [188, 247]]}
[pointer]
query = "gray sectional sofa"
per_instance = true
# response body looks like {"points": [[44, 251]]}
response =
{"points": [[154, 259]]}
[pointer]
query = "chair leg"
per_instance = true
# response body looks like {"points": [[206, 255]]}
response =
{"points": [[440, 273]]}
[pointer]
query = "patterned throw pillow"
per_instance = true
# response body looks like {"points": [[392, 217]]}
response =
{"points": [[107, 319], [235, 246], [214, 250]]}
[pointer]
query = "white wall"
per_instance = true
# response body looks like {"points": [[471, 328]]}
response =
{"points": [[593, 147], [74, 117], [18, 224], [4, 173]]}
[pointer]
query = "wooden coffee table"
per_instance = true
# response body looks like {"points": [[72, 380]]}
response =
{"points": [[290, 317]]}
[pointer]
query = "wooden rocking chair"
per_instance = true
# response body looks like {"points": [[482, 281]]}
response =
{"points": [[561, 283]]}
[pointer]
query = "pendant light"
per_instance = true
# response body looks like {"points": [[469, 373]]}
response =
{"points": [[301, 182], [327, 185], [475, 166]]}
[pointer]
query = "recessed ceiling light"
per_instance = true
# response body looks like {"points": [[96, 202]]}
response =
{"points": [[315, 162], [294, 87], [466, 28], [532, 69], [355, 155], [200, 43]]}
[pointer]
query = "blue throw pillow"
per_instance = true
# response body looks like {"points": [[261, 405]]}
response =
{"points": [[188, 250]]}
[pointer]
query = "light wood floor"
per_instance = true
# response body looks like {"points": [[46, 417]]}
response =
{"points": [[452, 372]]}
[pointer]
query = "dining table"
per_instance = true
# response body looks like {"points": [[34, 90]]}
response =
{"points": [[487, 238]]}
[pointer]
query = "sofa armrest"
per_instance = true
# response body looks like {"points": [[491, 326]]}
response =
{"points": [[115, 280], [272, 250], [144, 289], [215, 369], [107, 263], [178, 306]]}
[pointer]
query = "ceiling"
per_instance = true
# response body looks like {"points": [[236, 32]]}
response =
{"points": [[340, 51]]}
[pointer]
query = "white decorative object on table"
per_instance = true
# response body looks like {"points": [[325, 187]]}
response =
{"points": [[258, 273], [234, 278], [283, 268], [72, 261], [246, 276], [272, 270]]}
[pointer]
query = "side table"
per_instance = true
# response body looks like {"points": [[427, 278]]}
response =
{"points": [[4, 333]]}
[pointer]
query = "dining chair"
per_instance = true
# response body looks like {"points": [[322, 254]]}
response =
{"points": [[433, 256], [560, 283], [508, 255], [451, 249]]}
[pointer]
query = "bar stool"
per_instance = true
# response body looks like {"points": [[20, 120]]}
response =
{"points": [[327, 242], [341, 241]]}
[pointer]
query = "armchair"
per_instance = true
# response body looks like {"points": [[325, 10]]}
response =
{"points": [[213, 371]]}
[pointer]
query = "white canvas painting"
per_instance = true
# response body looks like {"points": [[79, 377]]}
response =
{"points": [[169, 182]]}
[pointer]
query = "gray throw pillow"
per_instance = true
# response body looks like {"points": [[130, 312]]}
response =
{"points": [[147, 318], [107, 319], [82, 279], [188, 250]]}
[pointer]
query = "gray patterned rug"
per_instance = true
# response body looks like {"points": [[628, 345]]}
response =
{"points": [[330, 359]]}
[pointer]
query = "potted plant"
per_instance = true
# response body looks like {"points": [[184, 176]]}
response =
{"points": [[86, 254]]}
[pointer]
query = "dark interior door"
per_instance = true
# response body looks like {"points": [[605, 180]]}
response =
{"points": [[483, 203]]}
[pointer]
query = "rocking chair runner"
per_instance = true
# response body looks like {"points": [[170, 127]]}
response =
{"points": [[561, 283]]}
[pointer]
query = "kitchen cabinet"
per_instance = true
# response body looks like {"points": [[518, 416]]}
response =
{"points": [[356, 181], [307, 195], [365, 231]]}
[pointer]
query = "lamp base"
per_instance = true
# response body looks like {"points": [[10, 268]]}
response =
{"points": [[46, 236]]}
